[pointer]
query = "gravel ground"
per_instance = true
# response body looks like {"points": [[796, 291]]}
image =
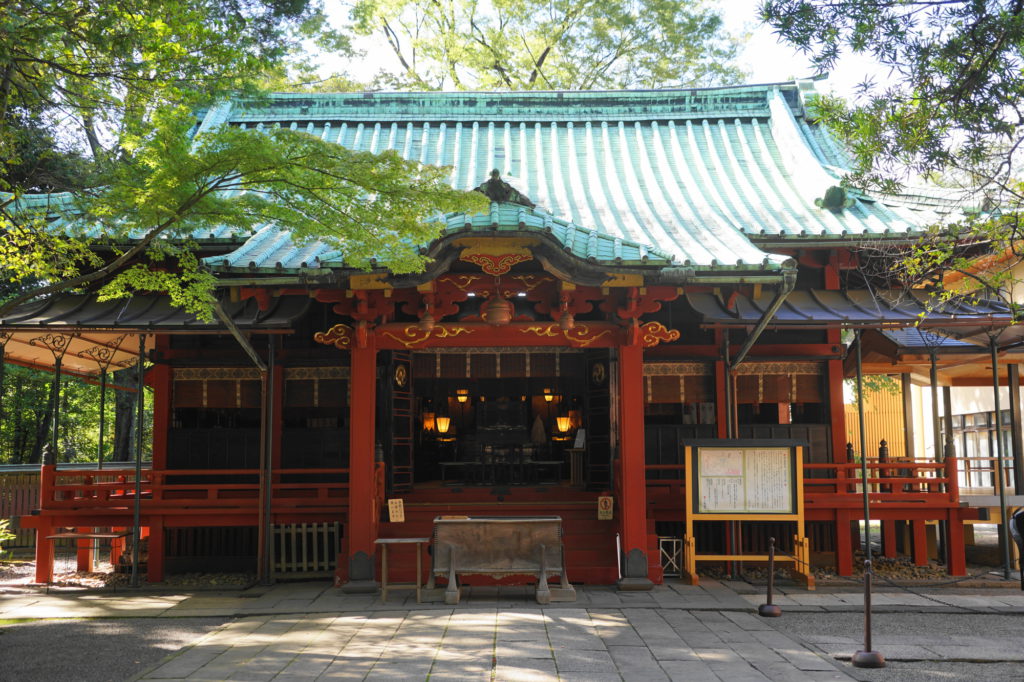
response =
{"points": [[887, 628], [103, 650]]}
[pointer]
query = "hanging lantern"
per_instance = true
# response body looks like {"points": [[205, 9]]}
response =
{"points": [[563, 423], [548, 396], [462, 395], [443, 424], [497, 310]]}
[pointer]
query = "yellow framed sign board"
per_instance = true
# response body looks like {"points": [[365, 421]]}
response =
{"points": [[744, 480]]}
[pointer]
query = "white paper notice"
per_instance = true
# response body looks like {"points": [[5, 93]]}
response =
{"points": [[768, 484], [721, 493], [747, 480], [721, 462]]}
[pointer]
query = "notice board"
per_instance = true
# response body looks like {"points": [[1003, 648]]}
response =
{"points": [[744, 480]]}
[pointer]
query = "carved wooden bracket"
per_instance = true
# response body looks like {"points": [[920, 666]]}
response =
{"points": [[260, 294], [366, 306], [642, 301]]}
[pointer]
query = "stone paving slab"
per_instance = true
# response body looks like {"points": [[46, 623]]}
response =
{"points": [[675, 631], [635, 644]]}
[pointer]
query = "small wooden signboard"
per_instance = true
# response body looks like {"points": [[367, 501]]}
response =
{"points": [[396, 510], [605, 504], [745, 480]]}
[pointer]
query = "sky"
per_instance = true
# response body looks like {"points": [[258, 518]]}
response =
{"points": [[768, 60], [764, 57]]}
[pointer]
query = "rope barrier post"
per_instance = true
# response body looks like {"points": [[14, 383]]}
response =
{"points": [[868, 658], [768, 609]]}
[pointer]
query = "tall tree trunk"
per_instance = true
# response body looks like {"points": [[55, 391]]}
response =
{"points": [[18, 434], [42, 435], [124, 418]]}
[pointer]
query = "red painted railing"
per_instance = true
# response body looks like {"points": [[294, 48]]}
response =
{"points": [[929, 484], [164, 491]]}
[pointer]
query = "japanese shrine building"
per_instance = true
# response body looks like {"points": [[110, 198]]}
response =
{"points": [[655, 267]]}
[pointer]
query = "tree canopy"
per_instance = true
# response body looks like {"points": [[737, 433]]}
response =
{"points": [[100, 100], [549, 44], [950, 110]]}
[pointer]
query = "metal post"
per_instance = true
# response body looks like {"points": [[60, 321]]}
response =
{"points": [[730, 426], [1004, 521], [137, 517], [266, 538], [3, 370], [942, 445], [863, 449], [103, 414], [269, 498], [906, 393], [768, 609], [730, 432], [868, 658], [1017, 437], [56, 407], [936, 433]]}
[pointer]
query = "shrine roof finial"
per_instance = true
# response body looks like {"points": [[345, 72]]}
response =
{"points": [[498, 190]]}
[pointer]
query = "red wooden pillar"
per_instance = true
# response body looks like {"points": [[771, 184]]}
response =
{"points": [[837, 414], [957, 559], [889, 539], [361, 529], [920, 540], [44, 554], [44, 547], [721, 408], [83, 551], [837, 426], [632, 471], [155, 558], [844, 544], [159, 377], [277, 426]]}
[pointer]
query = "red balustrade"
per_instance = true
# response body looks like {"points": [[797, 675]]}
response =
{"points": [[164, 492]]}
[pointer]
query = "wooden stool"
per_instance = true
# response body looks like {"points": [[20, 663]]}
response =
{"points": [[385, 543]]}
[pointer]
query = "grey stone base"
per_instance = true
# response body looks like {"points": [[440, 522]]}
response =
{"points": [[361, 587], [635, 584], [435, 595], [563, 594]]}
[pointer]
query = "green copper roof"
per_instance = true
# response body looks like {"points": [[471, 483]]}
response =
{"points": [[272, 250], [699, 174], [63, 217]]}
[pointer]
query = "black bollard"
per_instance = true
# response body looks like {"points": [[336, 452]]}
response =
{"points": [[770, 610], [868, 658]]}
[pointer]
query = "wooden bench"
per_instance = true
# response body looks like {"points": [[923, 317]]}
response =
{"points": [[500, 546]]}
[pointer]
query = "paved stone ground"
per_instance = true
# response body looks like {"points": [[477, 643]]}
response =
{"points": [[305, 631], [921, 646], [567, 644]]}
